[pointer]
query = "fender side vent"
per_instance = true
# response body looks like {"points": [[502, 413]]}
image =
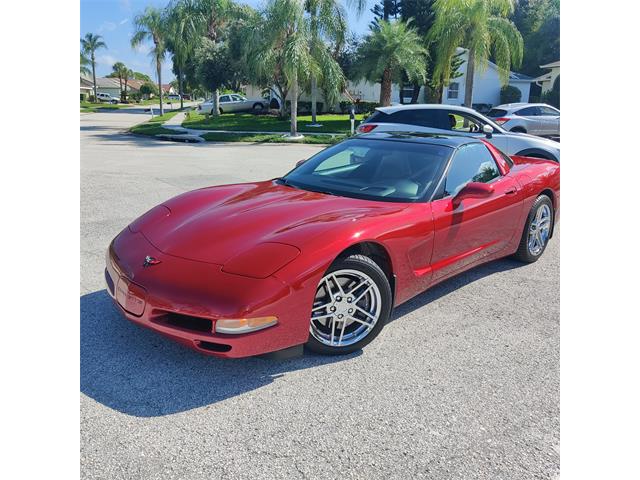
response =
{"points": [[214, 347]]}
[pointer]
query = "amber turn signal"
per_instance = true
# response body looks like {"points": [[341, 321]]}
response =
{"points": [[244, 325]]}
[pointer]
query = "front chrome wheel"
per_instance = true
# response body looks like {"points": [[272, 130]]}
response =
{"points": [[346, 308], [539, 230]]}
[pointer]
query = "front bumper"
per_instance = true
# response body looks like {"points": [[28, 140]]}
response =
{"points": [[182, 299]]}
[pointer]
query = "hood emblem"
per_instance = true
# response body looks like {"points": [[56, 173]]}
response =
{"points": [[149, 261]]}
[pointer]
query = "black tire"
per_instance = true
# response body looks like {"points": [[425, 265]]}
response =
{"points": [[524, 253], [518, 130], [372, 269], [220, 110], [258, 107]]}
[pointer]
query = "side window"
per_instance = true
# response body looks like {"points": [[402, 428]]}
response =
{"points": [[471, 163], [224, 98], [548, 111], [462, 122], [423, 117], [236, 98], [528, 112]]}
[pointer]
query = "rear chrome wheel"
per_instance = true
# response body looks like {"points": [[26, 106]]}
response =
{"points": [[539, 230], [351, 305]]}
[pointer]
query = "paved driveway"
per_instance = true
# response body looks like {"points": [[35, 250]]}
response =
{"points": [[463, 383]]}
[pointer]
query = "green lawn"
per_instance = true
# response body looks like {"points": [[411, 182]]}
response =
{"points": [[154, 126], [266, 138], [92, 107], [268, 123]]}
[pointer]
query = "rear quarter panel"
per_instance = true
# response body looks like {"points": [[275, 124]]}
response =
{"points": [[537, 176]]}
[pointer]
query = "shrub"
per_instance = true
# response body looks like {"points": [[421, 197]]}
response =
{"points": [[148, 88], [305, 107], [552, 97], [510, 94], [360, 107]]}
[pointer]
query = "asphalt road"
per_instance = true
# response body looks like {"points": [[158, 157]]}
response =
{"points": [[462, 384]]}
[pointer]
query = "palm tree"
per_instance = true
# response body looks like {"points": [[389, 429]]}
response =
{"points": [[281, 50], [152, 25], [127, 73], [480, 26], [84, 64], [182, 38], [90, 43], [326, 19], [388, 51], [209, 18], [119, 69]]}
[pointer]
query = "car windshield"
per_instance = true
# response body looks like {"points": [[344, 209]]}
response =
{"points": [[384, 170]]}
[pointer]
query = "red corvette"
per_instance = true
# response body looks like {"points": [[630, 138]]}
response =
{"points": [[321, 256]]}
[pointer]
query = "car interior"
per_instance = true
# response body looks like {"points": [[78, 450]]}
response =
{"points": [[384, 172]]}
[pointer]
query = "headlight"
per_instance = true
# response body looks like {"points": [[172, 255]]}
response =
{"points": [[244, 325], [261, 261]]}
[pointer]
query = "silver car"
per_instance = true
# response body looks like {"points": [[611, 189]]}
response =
{"points": [[235, 103], [435, 118], [534, 118]]}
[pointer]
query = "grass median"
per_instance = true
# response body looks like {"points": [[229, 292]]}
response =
{"points": [[269, 138], [331, 123], [154, 126]]}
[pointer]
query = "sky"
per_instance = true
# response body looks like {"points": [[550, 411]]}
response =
{"points": [[113, 20]]}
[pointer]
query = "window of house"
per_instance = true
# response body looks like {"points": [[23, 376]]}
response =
{"points": [[452, 91]]}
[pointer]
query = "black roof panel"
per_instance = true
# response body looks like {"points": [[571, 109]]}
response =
{"points": [[450, 140]]}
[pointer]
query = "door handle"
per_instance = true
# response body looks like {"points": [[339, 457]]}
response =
{"points": [[511, 191]]}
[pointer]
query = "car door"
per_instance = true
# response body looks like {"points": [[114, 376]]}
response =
{"points": [[225, 103], [551, 119], [470, 229], [534, 123], [241, 102]]}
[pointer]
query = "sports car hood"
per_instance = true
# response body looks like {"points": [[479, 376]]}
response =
{"points": [[215, 224]]}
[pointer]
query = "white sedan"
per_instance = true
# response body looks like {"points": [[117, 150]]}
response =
{"points": [[234, 103]]}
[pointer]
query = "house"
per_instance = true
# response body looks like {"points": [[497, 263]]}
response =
{"points": [[111, 86], [86, 88], [548, 80], [167, 89], [486, 88], [486, 84]]}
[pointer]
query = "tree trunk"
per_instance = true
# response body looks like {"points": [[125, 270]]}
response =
{"points": [[385, 88], [468, 82], [95, 86], [314, 81], [282, 112], [294, 107], [314, 97], [159, 68], [125, 89], [415, 93], [216, 102], [180, 88]]}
